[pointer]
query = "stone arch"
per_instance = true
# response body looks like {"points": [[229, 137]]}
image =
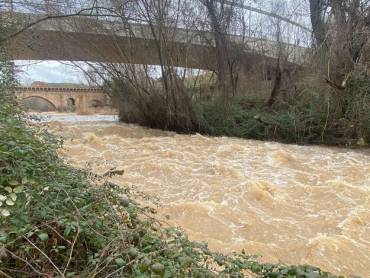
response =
{"points": [[71, 104], [37, 103], [96, 103]]}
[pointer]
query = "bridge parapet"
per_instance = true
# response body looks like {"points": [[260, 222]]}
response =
{"points": [[59, 89]]}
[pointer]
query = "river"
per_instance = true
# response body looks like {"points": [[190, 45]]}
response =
{"points": [[288, 203]]}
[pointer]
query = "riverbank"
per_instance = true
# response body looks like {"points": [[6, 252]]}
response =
{"points": [[252, 119], [311, 115]]}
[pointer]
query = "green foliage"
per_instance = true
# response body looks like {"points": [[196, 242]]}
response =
{"points": [[258, 122], [314, 121], [310, 115], [357, 107]]}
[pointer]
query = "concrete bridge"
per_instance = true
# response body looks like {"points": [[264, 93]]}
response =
{"points": [[85, 39], [81, 100]]}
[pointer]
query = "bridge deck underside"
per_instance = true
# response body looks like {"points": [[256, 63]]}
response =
{"points": [[73, 46]]}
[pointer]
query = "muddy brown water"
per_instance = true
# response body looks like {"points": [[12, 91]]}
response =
{"points": [[288, 203]]}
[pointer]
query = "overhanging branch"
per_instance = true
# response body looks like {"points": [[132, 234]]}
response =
{"points": [[82, 12], [270, 14]]}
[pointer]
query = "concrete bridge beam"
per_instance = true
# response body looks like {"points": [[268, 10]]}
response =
{"points": [[82, 39]]}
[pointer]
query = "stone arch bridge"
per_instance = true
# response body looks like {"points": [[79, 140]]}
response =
{"points": [[83, 100]]}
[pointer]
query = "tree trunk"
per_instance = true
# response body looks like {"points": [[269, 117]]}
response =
{"points": [[317, 21], [225, 67], [277, 85]]}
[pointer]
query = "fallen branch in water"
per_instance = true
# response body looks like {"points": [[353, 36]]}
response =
{"points": [[108, 174], [113, 172]]}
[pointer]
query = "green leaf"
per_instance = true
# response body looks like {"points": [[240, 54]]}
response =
{"points": [[43, 236], [8, 189], [13, 182], [255, 268], [9, 202], [185, 261], [5, 212], [13, 196], [157, 268], [132, 252], [67, 230], [120, 262]]}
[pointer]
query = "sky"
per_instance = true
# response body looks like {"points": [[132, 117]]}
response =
{"points": [[48, 71]]}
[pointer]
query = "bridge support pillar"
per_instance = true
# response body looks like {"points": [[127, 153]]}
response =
{"points": [[82, 105]]}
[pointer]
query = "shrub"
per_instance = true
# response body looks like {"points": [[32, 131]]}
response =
{"points": [[308, 112], [313, 121]]}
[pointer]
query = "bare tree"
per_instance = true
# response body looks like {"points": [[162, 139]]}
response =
{"points": [[220, 14], [339, 27]]}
